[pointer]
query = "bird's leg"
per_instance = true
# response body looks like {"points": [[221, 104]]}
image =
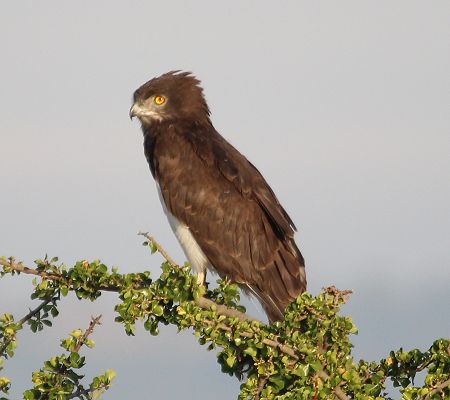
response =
{"points": [[201, 276]]}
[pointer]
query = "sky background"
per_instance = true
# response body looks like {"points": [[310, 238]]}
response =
{"points": [[343, 106]]}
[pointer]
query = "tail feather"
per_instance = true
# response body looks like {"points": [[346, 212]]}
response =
{"points": [[273, 311], [277, 290]]}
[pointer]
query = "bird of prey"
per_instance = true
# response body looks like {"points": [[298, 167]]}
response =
{"points": [[222, 211]]}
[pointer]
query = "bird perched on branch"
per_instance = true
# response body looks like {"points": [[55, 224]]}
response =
{"points": [[224, 214]]}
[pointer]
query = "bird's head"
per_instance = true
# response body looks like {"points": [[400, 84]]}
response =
{"points": [[173, 96]]}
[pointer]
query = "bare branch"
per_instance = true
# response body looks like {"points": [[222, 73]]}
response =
{"points": [[32, 313], [261, 383], [27, 317], [270, 342], [439, 388], [202, 301], [81, 392], [19, 267], [336, 390], [160, 249], [207, 304], [288, 350], [94, 321]]}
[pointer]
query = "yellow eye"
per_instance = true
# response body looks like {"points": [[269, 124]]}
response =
{"points": [[159, 100]]}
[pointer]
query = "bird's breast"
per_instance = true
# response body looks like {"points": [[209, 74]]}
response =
{"points": [[197, 258]]}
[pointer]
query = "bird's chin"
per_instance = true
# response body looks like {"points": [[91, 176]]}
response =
{"points": [[149, 119]]}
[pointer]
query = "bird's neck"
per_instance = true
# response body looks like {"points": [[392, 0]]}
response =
{"points": [[182, 126], [151, 130]]}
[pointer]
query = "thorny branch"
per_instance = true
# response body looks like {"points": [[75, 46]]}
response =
{"points": [[439, 388], [19, 267], [94, 321], [160, 249], [337, 390], [261, 383], [81, 392], [27, 317], [202, 302], [207, 304]]}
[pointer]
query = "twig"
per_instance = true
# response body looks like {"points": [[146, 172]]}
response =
{"points": [[86, 393], [261, 383], [439, 388], [336, 390], [27, 317], [322, 374], [286, 349], [19, 267], [94, 321], [201, 302], [207, 304], [32, 313], [160, 249], [81, 392]]}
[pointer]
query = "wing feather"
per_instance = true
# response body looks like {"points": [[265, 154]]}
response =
{"points": [[232, 213]]}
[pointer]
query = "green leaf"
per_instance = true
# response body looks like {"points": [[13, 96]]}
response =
{"points": [[74, 360], [231, 360], [153, 247], [158, 310], [31, 395], [33, 326], [110, 374], [278, 381], [251, 351]]}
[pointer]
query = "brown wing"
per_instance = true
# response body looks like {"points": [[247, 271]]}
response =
{"points": [[232, 213]]}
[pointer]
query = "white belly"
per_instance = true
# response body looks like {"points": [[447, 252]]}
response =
{"points": [[199, 262]]}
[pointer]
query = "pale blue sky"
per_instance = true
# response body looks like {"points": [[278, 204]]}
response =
{"points": [[343, 106]]}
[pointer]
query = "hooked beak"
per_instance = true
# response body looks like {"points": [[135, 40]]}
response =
{"points": [[133, 111]]}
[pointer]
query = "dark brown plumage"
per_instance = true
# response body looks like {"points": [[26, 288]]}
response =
{"points": [[223, 212]]}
